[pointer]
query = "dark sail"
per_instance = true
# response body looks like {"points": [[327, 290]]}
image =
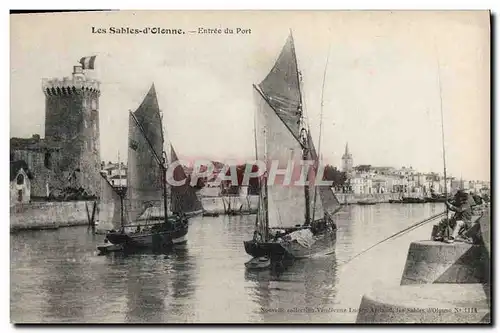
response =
{"points": [[149, 119], [184, 198], [324, 194], [144, 174], [282, 88]]}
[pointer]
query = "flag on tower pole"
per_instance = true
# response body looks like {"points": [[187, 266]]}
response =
{"points": [[88, 62]]}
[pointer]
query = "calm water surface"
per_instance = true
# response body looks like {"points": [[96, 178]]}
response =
{"points": [[57, 276]]}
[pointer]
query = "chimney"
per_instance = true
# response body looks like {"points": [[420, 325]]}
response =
{"points": [[78, 72]]}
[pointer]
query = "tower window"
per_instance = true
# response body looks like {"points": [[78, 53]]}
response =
{"points": [[47, 160]]}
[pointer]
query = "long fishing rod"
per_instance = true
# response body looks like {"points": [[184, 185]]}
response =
{"points": [[396, 235], [442, 126]]}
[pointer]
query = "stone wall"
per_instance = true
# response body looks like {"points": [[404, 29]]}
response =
{"points": [[377, 197], [42, 215]]}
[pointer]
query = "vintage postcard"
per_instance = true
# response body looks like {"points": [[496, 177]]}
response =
{"points": [[250, 167]]}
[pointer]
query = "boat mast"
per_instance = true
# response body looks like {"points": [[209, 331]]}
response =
{"points": [[320, 127], [164, 169], [256, 159], [303, 133], [263, 195], [266, 199], [120, 192], [164, 184]]}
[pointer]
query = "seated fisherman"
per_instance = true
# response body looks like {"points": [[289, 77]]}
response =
{"points": [[463, 214]]}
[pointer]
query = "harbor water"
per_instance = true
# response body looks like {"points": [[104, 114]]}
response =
{"points": [[58, 276]]}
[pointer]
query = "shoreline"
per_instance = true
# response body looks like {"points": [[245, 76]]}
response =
{"points": [[47, 215]]}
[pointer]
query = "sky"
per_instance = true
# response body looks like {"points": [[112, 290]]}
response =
{"points": [[381, 95]]}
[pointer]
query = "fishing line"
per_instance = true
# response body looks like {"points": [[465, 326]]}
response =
{"points": [[396, 235]]}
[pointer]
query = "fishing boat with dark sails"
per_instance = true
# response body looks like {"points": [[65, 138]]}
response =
{"points": [[146, 221], [292, 221]]}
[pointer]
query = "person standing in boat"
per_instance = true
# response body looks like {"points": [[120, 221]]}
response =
{"points": [[463, 214]]}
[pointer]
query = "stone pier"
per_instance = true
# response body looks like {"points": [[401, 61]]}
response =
{"points": [[441, 283]]}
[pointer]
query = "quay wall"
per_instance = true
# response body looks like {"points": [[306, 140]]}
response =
{"points": [[441, 283], [351, 198], [49, 215], [216, 204]]}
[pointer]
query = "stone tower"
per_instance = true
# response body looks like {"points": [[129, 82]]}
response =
{"points": [[347, 162], [72, 122]]}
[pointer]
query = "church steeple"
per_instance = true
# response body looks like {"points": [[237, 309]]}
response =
{"points": [[347, 162], [347, 154]]}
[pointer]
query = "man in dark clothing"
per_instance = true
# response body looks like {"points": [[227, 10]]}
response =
{"points": [[463, 214]]}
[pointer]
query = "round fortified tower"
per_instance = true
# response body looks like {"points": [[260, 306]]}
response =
{"points": [[72, 121]]}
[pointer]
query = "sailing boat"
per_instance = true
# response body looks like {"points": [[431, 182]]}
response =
{"points": [[147, 222], [292, 221], [110, 207], [184, 199]]}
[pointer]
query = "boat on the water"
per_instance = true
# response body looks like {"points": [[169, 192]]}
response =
{"points": [[108, 247], [437, 198], [147, 220], [258, 263], [367, 202], [211, 214], [395, 201], [292, 221], [413, 200]]}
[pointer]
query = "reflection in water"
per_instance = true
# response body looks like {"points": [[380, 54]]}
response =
{"points": [[57, 276], [157, 286], [304, 292]]}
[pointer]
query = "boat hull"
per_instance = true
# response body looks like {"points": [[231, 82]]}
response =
{"points": [[177, 236], [324, 243], [211, 214], [413, 200]]}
